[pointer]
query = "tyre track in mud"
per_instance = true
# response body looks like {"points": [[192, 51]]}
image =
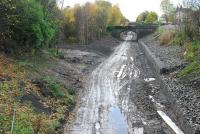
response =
{"points": [[116, 99]]}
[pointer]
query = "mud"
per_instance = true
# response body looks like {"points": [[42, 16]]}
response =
{"points": [[120, 97]]}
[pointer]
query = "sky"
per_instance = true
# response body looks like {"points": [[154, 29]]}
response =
{"points": [[130, 8]]}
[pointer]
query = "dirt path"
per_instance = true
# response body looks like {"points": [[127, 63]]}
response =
{"points": [[118, 97]]}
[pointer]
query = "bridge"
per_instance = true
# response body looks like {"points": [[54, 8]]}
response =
{"points": [[139, 30]]}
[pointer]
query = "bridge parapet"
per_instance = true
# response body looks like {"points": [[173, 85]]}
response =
{"points": [[140, 29]]}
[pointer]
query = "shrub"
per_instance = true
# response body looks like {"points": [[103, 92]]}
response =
{"points": [[192, 70], [152, 17], [192, 51], [192, 55], [71, 39], [71, 90], [166, 37], [35, 28], [27, 24], [55, 87], [55, 53], [179, 39]]}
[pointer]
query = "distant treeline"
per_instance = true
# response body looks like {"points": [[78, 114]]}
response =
{"points": [[89, 22]]}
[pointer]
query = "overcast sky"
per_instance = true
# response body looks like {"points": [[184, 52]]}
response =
{"points": [[130, 8]]}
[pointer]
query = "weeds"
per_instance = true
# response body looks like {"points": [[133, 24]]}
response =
{"points": [[179, 39], [166, 37], [27, 119], [53, 53], [54, 86], [192, 55]]}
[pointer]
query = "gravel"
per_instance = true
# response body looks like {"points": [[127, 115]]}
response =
{"points": [[185, 93], [170, 55]]}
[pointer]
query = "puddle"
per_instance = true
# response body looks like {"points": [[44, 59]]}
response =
{"points": [[118, 121]]}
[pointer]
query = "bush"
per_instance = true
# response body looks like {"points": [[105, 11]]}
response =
{"points": [[55, 53], [179, 39], [55, 87], [35, 28], [191, 55], [166, 37], [28, 23], [191, 71], [71, 39], [192, 51]]}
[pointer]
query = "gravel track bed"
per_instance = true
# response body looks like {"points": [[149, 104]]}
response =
{"points": [[186, 94]]}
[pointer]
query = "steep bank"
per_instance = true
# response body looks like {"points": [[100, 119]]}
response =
{"points": [[182, 96], [44, 89]]}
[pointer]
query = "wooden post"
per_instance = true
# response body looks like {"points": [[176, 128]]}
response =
{"points": [[13, 122]]}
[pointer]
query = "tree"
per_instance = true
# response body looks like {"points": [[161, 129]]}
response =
{"points": [[30, 24], [89, 21], [115, 16], [8, 18], [142, 16], [193, 4], [151, 17], [147, 17], [192, 24], [168, 9]]}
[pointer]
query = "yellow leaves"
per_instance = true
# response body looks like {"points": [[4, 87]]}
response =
{"points": [[70, 15]]}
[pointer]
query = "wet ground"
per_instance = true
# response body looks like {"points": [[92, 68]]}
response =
{"points": [[119, 98]]}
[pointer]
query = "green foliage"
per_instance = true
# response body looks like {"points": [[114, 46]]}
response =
{"points": [[7, 18], [191, 71], [72, 39], [55, 53], [27, 120], [87, 22], [27, 23], [142, 16], [193, 51], [171, 37], [147, 17], [23, 124], [35, 28], [115, 17], [152, 17], [168, 10], [71, 90], [192, 55], [55, 87], [179, 39]]}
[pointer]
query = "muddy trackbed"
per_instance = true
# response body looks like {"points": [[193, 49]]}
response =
{"points": [[119, 98]]}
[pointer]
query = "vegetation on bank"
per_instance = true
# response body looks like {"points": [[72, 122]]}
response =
{"points": [[28, 25], [30, 34], [185, 34], [191, 47], [40, 104]]}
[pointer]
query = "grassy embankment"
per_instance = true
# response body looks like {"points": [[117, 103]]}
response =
{"points": [[39, 100], [191, 47]]}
